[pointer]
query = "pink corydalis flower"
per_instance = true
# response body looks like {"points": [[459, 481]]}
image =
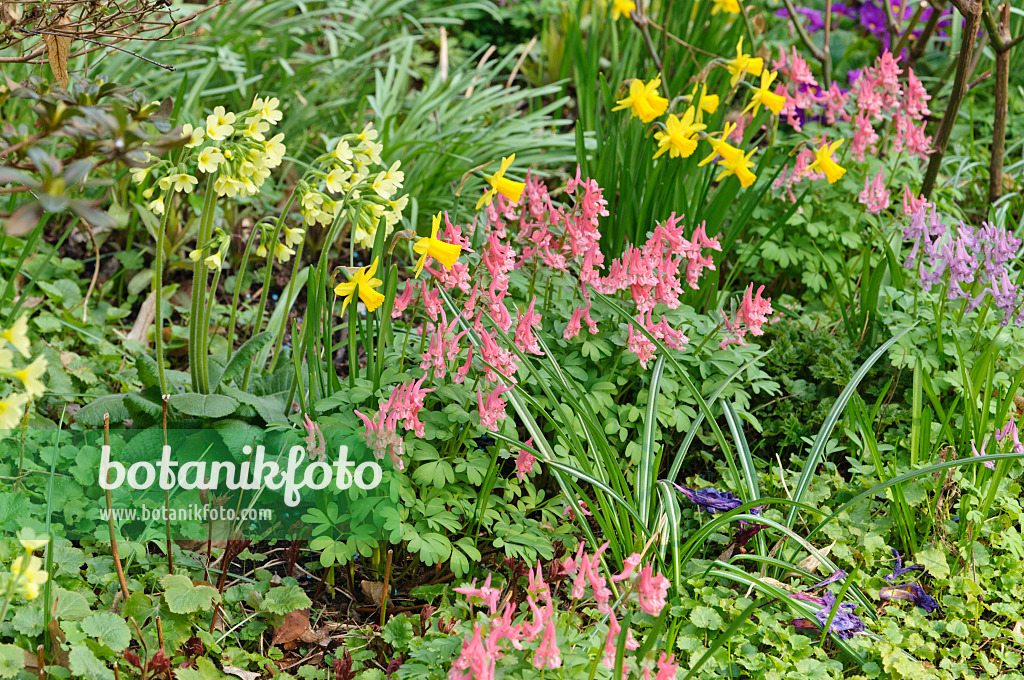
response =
{"points": [[651, 590], [403, 300], [916, 101], [568, 512], [865, 139], [991, 464], [548, 655], [875, 196], [611, 642], [525, 461], [755, 310], [528, 321], [912, 205], [474, 660], [316, 445], [492, 409], [667, 667], [640, 345], [484, 595], [629, 565]]}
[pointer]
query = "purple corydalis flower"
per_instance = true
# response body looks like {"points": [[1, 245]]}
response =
{"points": [[990, 464], [909, 592]]}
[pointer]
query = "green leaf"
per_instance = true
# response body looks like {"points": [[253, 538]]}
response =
{"points": [[84, 664], [12, 660], [91, 415], [243, 358], [204, 670], [149, 372], [108, 629], [934, 561], [285, 599], [184, 597], [705, 617], [202, 405], [398, 632]]}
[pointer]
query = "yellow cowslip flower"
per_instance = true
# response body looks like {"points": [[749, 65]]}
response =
{"points": [[214, 261], [311, 200], [220, 124], [739, 165], [139, 174], [228, 186], [17, 335], [28, 575], [823, 162], [267, 109], [644, 100], [728, 6], [342, 152], [622, 8], [511, 190], [195, 135], [29, 541], [11, 410], [6, 358], [389, 181], [255, 127], [743, 63], [209, 159], [30, 377], [275, 150], [293, 237], [283, 252], [445, 253], [679, 137], [365, 285], [179, 181], [156, 206], [763, 95], [708, 103]]}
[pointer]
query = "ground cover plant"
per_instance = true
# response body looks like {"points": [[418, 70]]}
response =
{"points": [[586, 339]]}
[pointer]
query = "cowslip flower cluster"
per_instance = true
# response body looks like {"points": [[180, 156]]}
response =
{"points": [[29, 376], [534, 633], [973, 263]]}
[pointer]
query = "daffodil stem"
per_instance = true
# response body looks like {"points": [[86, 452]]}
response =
{"points": [[352, 360], [158, 296]]}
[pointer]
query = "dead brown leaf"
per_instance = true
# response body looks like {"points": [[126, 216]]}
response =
{"points": [[145, 318], [295, 629], [57, 47], [374, 590], [240, 673]]}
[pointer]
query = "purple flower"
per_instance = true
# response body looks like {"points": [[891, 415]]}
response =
{"points": [[909, 592], [845, 623], [748, 531], [899, 569], [712, 500], [990, 464], [839, 575], [815, 18]]}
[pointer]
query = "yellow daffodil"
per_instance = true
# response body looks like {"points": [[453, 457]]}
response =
{"points": [[644, 100], [30, 377], [445, 253], [708, 103], [763, 95], [267, 109], [220, 124], [365, 285], [11, 410], [209, 159], [743, 63], [739, 165], [679, 137], [511, 190], [824, 162], [727, 6], [622, 8], [720, 147], [17, 335], [28, 575]]}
